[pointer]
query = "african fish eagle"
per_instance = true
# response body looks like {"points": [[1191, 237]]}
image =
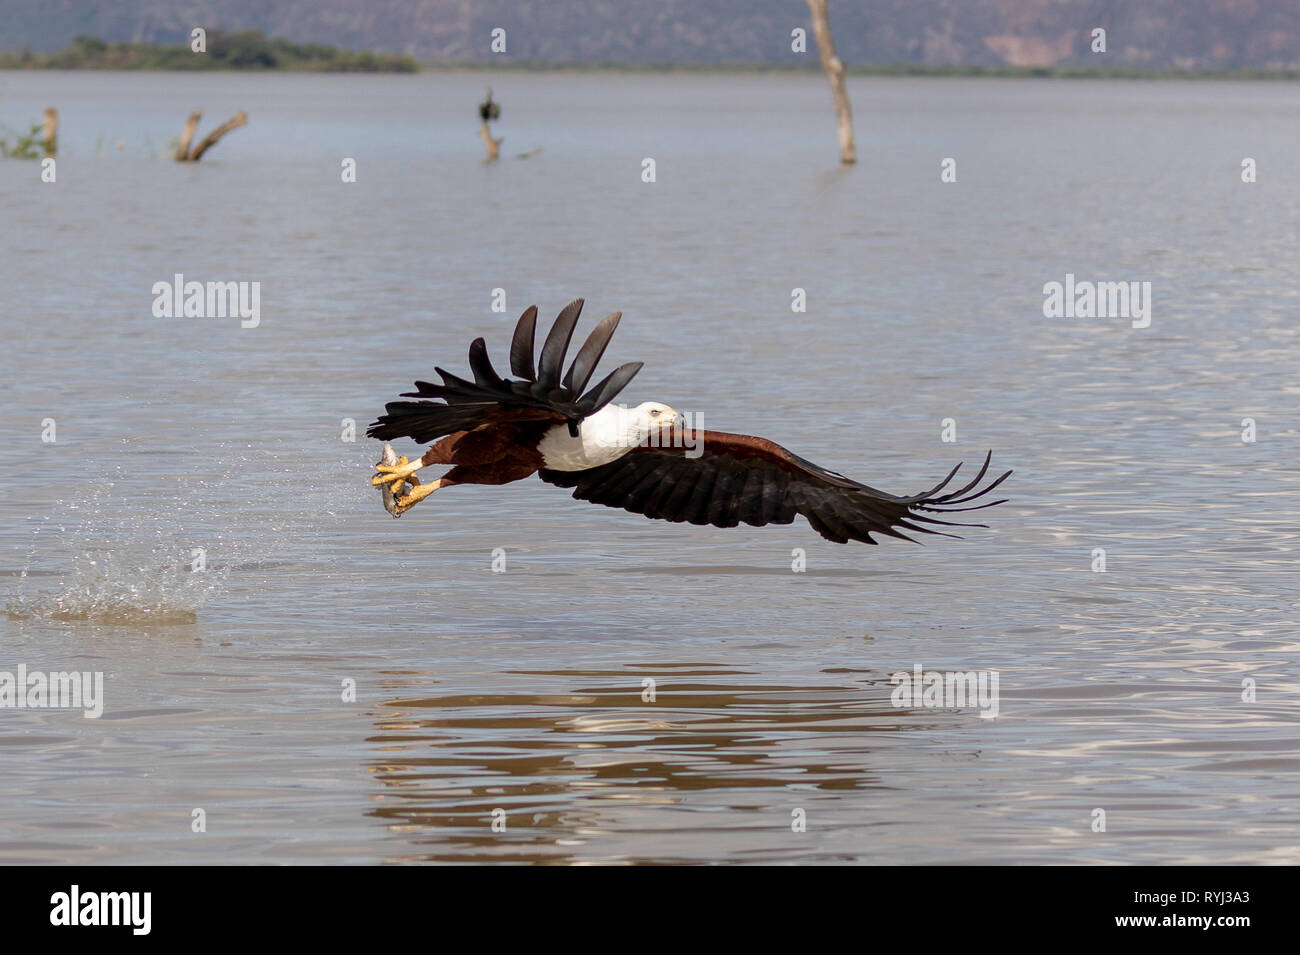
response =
{"points": [[494, 430]]}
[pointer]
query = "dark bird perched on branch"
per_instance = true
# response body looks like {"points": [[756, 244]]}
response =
{"points": [[645, 459], [488, 109]]}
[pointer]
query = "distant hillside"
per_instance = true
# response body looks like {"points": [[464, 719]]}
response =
{"points": [[1142, 34], [244, 50]]}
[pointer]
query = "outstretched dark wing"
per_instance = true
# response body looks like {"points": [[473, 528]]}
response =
{"points": [[739, 478], [539, 394]]}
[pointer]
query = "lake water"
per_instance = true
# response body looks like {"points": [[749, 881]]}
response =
{"points": [[185, 439]]}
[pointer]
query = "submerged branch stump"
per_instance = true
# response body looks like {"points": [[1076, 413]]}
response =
{"points": [[489, 110], [493, 145], [834, 68], [187, 136], [183, 152], [51, 131]]}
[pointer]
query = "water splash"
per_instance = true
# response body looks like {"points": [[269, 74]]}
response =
{"points": [[151, 542], [122, 561], [130, 582]]}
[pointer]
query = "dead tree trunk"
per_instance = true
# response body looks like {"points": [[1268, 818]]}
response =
{"points": [[210, 140], [51, 131], [493, 145], [834, 68], [183, 153], [187, 136]]}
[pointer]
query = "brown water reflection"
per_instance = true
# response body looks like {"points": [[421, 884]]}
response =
{"points": [[595, 764]]}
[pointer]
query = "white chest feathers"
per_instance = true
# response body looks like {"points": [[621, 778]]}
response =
{"points": [[605, 436], [601, 438]]}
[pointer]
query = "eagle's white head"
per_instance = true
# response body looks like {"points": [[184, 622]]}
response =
{"points": [[644, 420]]}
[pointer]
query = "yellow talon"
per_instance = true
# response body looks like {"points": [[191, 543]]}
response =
{"points": [[398, 486], [418, 494], [396, 475]]}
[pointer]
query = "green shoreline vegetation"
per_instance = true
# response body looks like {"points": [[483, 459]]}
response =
{"points": [[244, 50], [29, 145], [251, 50]]}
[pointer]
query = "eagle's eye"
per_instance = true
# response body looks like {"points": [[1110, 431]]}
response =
{"points": [[654, 412]]}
